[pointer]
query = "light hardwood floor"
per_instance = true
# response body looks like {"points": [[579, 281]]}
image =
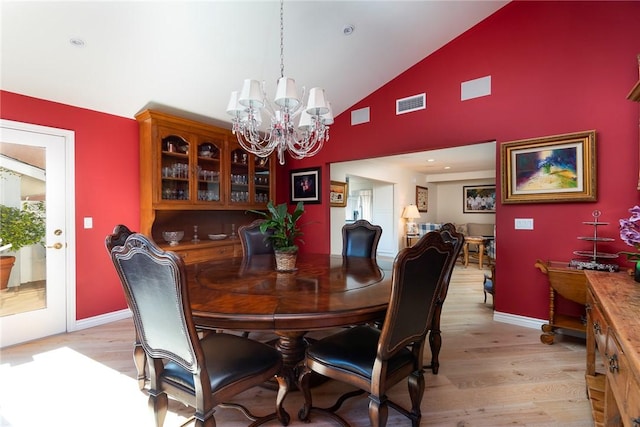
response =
{"points": [[491, 374]]}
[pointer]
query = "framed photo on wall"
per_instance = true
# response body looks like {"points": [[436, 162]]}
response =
{"points": [[338, 194], [305, 185], [422, 198], [479, 199], [560, 168]]}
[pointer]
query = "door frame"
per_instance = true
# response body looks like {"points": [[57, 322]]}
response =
{"points": [[70, 209]]}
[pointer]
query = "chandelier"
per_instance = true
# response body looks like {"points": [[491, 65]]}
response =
{"points": [[248, 105]]}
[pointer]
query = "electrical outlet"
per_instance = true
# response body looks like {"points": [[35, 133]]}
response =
{"points": [[524, 223]]}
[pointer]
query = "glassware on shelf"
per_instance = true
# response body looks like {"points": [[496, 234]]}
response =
{"points": [[195, 235]]}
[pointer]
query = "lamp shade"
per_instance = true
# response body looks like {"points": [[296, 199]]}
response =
{"points": [[305, 121], [411, 212], [251, 94], [286, 93], [234, 108], [317, 105], [327, 118]]}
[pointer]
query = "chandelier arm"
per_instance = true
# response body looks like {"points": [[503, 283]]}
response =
{"points": [[255, 147]]}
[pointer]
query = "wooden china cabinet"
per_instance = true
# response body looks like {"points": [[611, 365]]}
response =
{"points": [[196, 174], [634, 95]]}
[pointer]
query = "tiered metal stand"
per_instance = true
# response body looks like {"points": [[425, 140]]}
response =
{"points": [[595, 258]]}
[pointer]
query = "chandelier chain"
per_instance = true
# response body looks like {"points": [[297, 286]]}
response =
{"points": [[281, 38]]}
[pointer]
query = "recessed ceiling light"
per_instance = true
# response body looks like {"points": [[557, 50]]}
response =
{"points": [[447, 167], [76, 42], [431, 160], [348, 29]]}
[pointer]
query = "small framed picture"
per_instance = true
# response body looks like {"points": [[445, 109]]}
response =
{"points": [[479, 199], [422, 198], [305, 185], [338, 194]]}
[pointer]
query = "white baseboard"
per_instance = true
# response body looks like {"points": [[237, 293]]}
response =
{"points": [[101, 320], [512, 319]]}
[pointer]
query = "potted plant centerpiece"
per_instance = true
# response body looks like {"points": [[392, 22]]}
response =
{"points": [[19, 227], [286, 233]]}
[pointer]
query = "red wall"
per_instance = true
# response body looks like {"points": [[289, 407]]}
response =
{"points": [[556, 67], [107, 189]]}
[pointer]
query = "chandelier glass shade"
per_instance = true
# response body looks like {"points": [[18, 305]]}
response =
{"points": [[301, 129]]}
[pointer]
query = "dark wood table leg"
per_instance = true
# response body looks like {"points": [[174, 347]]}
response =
{"points": [[292, 346]]}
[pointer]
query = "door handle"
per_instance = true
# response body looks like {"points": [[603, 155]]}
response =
{"points": [[56, 246]]}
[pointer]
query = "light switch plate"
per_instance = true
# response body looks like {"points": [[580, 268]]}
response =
{"points": [[88, 222], [524, 223]]}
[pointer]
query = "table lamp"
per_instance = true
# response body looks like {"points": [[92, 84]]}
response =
{"points": [[410, 213]]}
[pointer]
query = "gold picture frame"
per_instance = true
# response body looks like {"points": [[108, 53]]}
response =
{"points": [[338, 193], [559, 168]]}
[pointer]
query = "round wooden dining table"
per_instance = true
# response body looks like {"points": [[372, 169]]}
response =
{"points": [[325, 291]]}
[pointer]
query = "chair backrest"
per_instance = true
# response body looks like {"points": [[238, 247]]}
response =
{"points": [[418, 274], [449, 234], [361, 239], [155, 285], [118, 237], [254, 241]]}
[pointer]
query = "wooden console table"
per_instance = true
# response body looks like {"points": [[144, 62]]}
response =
{"points": [[570, 283], [613, 328]]}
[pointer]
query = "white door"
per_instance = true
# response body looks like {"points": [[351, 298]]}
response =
{"points": [[42, 283]]}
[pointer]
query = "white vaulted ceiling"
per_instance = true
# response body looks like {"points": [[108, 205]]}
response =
{"points": [[189, 55]]}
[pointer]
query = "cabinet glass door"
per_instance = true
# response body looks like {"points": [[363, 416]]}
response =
{"points": [[239, 177], [174, 168], [208, 170], [262, 180]]}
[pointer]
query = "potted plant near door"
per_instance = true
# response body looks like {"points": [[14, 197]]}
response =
{"points": [[19, 227], [286, 233]]}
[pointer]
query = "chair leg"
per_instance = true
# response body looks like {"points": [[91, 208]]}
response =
{"points": [[378, 411], [435, 339], [435, 343], [485, 297], [159, 404], [140, 361], [416, 392]]}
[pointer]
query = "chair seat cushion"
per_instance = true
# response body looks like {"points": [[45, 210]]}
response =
{"points": [[229, 358], [354, 350], [488, 285]]}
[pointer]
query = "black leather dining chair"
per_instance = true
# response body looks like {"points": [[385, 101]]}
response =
{"points": [[449, 234], [254, 241], [361, 239], [201, 373], [372, 359], [117, 238]]}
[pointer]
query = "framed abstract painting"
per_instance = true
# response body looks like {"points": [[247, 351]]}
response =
{"points": [[560, 168]]}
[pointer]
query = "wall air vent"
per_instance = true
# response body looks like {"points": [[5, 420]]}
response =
{"points": [[411, 103]]}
